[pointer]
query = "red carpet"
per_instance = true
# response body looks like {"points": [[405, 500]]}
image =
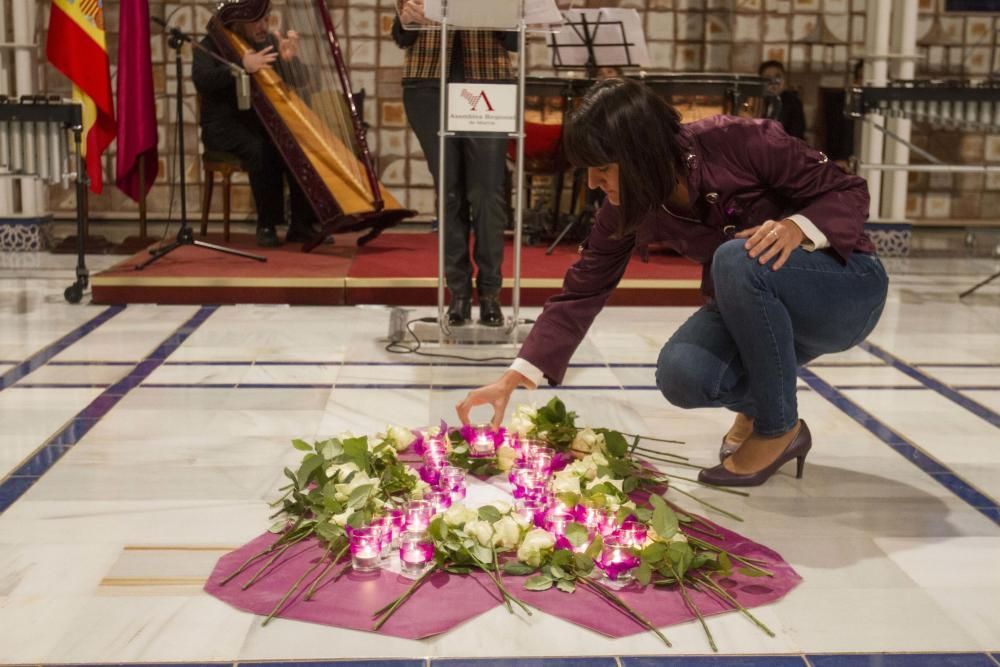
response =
{"points": [[395, 268]]}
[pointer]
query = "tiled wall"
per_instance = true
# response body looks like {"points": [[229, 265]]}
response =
{"points": [[817, 38]]}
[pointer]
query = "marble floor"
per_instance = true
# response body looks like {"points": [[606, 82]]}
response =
{"points": [[138, 444]]}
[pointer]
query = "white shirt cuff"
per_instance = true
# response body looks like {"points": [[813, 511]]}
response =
{"points": [[815, 239], [528, 370]]}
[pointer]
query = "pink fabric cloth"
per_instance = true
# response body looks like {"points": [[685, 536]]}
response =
{"points": [[446, 600], [137, 126]]}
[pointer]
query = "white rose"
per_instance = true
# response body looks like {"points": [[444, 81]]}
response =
{"points": [[534, 546], [506, 533], [563, 482], [617, 483], [599, 459], [481, 530], [506, 457], [359, 479], [459, 514], [585, 441], [502, 506], [401, 437], [341, 470], [522, 421], [341, 519]]}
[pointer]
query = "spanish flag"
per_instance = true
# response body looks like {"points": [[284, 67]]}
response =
{"points": [[76, 47]]}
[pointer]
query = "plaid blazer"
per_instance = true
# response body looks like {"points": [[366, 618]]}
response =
{"points": [[483, 56]]}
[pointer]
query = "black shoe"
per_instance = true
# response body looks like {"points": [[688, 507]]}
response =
{"points": [[459, 310], [299, 235], [267, 237], [489, 310]]}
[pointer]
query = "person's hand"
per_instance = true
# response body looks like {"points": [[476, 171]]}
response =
{"points": [[774, 238], [412, 13], [288, 46], [496, 394], [255, 61]]}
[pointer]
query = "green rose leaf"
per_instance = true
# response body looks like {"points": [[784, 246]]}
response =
{"points": [[583, 563], [664, 521], [438, 529], [489, 513], [517, 569], [539, 582], [309, 465], [577, 534], [643, 573], [751, 572], [653, 553], [359, 496], [484, 554], [725, 565], [301, 445], [557, 572], [566, 585], [562, 558], [356, 450], [594, 550], [616, 443]]}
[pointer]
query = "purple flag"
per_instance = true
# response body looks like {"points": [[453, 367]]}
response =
{"points": [[137, 127]]}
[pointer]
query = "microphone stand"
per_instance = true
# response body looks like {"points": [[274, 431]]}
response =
{"points": [[185, 235]]}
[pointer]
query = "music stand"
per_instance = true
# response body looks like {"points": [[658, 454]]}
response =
{"points": [[185, 235], [590, 39]]}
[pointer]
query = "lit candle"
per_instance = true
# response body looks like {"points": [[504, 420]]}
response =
{"points": [[366, 548], [617, 560], [415, 552], [418, 515], [483, 443]]}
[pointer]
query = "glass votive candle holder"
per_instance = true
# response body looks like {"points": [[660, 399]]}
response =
{"points": [[417, 516], [366, 549], [541, 459], [528, 447], [430, 471], [435, 444], [452, 482], [483, 444], [633, 533], [415, 553], [439, 500], [381, 526], [557, 521], [594, 518], [530, 511], [617, 560], [397, 522], [510, 439]]}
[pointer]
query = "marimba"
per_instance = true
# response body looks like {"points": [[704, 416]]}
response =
{"points": [[962, 105], [34, 143]]}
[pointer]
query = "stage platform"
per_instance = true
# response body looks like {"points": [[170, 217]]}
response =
{"points": [[397, 268]]}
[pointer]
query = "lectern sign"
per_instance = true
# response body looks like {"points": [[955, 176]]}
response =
{"points": [[482, 107]]}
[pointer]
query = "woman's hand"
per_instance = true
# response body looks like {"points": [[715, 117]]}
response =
{"points": [[496, 394], [288, 46], [255, 61], [774, 238]]}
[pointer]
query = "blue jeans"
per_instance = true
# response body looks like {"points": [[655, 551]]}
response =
{"points": [[742, 350]]}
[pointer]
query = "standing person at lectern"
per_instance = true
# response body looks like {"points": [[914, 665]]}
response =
{"points": [[475, 197], [227, 128]]}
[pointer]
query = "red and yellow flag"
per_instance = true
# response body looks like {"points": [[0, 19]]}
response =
{"points": [[77, 48]]}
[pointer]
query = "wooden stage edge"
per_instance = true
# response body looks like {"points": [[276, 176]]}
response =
{"points": [[113, 290]]}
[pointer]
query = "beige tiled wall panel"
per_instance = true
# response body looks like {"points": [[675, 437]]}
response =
{"points": [[818, 40]]}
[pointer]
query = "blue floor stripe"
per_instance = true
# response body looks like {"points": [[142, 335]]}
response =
{"points": [[21, 479], [931, 383], [902, 660], [42, 357], [939, 472]]}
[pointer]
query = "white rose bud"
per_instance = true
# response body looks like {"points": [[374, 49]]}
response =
{"points": [[565, 483], [506, 533], [506, 456], [534, 546], [459, 514], [482, 531], [401, 437], [502, 506]]}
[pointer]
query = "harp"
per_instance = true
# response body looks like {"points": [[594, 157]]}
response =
{"points": [[307, 107]]}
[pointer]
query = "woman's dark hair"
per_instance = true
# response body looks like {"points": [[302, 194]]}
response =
{"points": [[624, 121]]}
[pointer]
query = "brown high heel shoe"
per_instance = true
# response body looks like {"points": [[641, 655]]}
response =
{"points": [[797, 449], [737, 434]]}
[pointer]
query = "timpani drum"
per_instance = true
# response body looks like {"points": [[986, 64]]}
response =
{"points": [[697, 96]]}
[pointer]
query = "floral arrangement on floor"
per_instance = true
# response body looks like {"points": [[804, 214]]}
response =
{"points": [[587, 513]]}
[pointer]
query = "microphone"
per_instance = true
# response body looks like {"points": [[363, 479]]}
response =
{"points": [[242, 89]]}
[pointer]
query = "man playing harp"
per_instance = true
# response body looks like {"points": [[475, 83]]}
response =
{"points": [[226, 128]]}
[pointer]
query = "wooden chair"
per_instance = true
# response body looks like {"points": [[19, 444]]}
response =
{"points": [[224, 164]]}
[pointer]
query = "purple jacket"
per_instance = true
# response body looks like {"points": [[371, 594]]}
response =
{"points": [[740, 173]]}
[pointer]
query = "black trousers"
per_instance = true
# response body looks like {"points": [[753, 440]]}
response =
{"points": [[475, 198], [248, 140]]}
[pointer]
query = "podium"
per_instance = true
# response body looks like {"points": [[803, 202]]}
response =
{"points": [[501, 117]]}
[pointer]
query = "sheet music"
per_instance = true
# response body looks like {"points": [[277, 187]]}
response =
{"points": [[607, 29], [499, 15]]}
